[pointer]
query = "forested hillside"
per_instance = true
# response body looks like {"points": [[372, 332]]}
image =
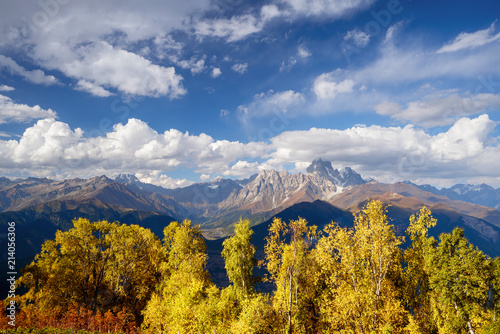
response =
{"points": [[111, 277]]}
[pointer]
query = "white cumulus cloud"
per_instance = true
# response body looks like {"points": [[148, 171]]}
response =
{"points": [[216, 72], [394, 153], [162, 180], [328, 85], [102, 65], [11, 112], [53, 148]]}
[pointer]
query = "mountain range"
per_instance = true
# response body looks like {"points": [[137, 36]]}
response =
{"points": [[40, 206], [481, 194]]}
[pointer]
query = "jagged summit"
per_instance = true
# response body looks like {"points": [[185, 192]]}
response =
{"points": [[346, 177], [125, 178]]}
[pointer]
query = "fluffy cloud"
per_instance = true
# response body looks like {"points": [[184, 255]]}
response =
{"points": [[360, 38], [466, 139], [11, 112], [5, 88], [43, 144], [380, 81], [195, 65], [96, 43], [328, 86], [100, 64], [51, 147], [471, 40], [92, 88], [439, 109], [233, 29], [236, 28], [394, 153], [240, 68], [242, 169], [326, 8], [162, 180], [34, 76], [216, 72]]}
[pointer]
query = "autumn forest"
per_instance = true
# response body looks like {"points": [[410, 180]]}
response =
{"points": [[111, 277]]}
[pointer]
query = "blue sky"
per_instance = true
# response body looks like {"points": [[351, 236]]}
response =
{"points": [[181, 92]]}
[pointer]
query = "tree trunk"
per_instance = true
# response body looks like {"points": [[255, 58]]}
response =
{"points": [[290, 304], [469, 326]]}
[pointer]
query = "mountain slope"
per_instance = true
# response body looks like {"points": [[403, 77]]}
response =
{"points": [[481, 194], [21, 194], [271, 189], [352, 197], [39, 222]]}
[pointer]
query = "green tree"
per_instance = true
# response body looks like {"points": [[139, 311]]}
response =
{"points": [[460, 280], [238, 254]]}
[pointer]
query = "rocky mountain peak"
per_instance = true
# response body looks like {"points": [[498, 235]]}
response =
{"points": [[320, 167], [126, 178], [346, 177]]}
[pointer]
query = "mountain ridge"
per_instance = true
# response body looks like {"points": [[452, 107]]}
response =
{"points": [[217, 204]]}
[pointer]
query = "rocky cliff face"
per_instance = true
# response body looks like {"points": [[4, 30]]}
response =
{"points": [[346, 177], [272, 189]]}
